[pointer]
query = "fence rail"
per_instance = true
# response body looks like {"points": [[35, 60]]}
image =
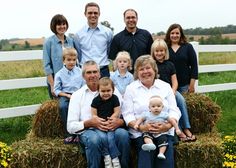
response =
{"points": [[41, 81]]}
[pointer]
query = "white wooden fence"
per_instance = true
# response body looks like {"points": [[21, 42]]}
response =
{"points": [[41, 81]]}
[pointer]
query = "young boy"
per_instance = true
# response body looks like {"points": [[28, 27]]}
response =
{"points": [[156, 115], [67, 81], [106, 105]]}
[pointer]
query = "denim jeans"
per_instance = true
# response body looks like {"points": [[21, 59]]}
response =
{"points": [[149, 159], [181, 103], [93, 147], [183, 89], [109, 145], [63, 106], [105, 72]]}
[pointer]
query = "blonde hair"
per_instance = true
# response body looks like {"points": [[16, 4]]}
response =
{"points": [[125, 55], [69, 52], [143, 60], [159, 43]]}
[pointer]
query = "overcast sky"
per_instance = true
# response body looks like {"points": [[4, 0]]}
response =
{"points": [[31, 18]]}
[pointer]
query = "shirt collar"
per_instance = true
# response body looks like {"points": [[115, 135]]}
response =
{"points": [[127, 33], [118, 74], [97, 28]]}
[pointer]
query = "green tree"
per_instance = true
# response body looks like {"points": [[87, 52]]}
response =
{"points": [[27, 45], [107, 24]]}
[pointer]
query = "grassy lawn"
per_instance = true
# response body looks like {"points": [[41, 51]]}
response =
{"points": [[13, 129]]}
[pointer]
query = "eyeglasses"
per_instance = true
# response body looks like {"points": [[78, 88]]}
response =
{"points": [[95, 13], [130, 17]]}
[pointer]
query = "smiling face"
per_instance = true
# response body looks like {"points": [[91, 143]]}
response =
{"points": [[175, 36], [105, 91], [92, 13], [159, 54], [146, 75], [130, 19], [61, 28]]}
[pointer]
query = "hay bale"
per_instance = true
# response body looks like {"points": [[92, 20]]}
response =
{"points": [[46, 153], [47, 121], [206, 152], [203, 112]]}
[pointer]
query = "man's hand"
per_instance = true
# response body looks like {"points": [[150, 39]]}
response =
{"points": [[114, 123], [98, 123]]}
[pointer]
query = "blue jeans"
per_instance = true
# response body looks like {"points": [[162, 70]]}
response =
{"points": [[181, 103], [149, 159], [109, 145], [93, 147], [105, 72], [63, 106], [183, 89]]}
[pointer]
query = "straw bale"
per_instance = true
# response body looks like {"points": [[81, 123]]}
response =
{"points": [[206, 152], [47, 121], [203, 112], [46, 153]]}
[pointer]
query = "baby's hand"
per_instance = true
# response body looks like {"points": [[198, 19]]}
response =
{"points": [[136, 126]]}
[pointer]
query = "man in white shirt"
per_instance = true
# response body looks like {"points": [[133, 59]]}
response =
{"points": [[80, 120]]}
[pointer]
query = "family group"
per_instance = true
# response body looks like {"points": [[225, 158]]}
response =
{"points": [[137, 101]]}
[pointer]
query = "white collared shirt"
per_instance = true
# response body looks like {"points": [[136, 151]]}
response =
{"points": [[136, 101]]}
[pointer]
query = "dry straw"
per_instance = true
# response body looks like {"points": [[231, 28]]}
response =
{"points": [[47, 121], [203, 113]]}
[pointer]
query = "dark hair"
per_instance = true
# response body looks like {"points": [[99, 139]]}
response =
{"points": [[132, 11], [104, 81], [182, 40], [57, 20], [91, 4]]}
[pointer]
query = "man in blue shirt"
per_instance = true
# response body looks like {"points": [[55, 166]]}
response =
{"points": [[132, 39], [92, 42]]}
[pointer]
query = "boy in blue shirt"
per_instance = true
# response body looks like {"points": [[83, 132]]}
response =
{"points": [[67, 81]]}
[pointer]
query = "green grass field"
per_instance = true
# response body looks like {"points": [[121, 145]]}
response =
{"points": [[13, 129]]}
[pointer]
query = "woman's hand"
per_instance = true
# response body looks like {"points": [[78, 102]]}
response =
{"points": [[159, 127]]}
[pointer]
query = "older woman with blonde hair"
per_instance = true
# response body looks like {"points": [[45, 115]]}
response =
{"points": [[136, 100]]}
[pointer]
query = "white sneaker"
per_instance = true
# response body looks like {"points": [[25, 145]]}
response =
{"points": [[107, 161], [161, 156], [148, 147], [116, 163]]}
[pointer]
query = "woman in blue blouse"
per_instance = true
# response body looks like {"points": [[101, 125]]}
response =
{"points": [[183, 56], [52, 49]]}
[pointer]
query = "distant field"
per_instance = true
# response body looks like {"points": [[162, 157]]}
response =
{"points": [[39, 41], [197, 37], [32, 41]]}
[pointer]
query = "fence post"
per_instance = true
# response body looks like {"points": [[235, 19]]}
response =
{"points": [[195, 45]]}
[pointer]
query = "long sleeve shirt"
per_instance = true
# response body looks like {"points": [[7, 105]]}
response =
{"points": [[136, 44], [52, 53], [68, 81], [185, 61], [136, 102], [121, 82], [93, 44]]}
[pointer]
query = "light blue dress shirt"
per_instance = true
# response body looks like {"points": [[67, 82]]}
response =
{"points": [[121, 82], [93, 44], [68, 81], [52, 53]]}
